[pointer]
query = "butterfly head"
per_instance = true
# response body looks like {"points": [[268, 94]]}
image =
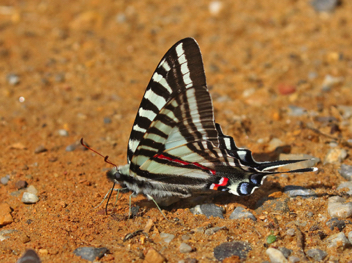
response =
{"points": [[118, 174]]}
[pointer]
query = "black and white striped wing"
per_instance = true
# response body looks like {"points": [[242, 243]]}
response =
{"points": [[180, 68]]}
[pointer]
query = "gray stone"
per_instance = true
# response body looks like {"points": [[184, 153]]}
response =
{"points": [[338, 240], [271, 204], [213, 230], [90, 253], [62, 132], [349, 236], [240, 213], [275, 255], [229, 249], [107, 120], [167, 238], [13, 79], [347, 185], [335, 155], [4, 180], [294, 191], [291, 232], [335, 222], [317, 254], [29, 198], [346, 171], [71, 148], [30, 256], [296, 111], [208, 210], [338, 208], [324, 6], [184, 248], [4, 233], [40, 149], [293, 259], [285, 251]]}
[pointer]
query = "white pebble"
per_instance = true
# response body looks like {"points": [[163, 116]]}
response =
{"points": [[338, 240], [275, 255], [184, 248], [335, 155], [337, 207], [29, 198], [31, 189]]}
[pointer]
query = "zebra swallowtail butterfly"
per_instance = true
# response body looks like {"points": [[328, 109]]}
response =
{"points": [[175, 148]]}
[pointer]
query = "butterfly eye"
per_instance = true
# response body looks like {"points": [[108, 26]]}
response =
{"points": [[113, 174]]}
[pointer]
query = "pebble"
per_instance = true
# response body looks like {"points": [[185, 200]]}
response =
{"points": [[294, 191], [31, 189], [286, 89], [273, 144], [154, 256], [184, 248], [107, 120], [62, 132], [347, 185], [338, 240], [291, 232], [293, 259], [90, 253], [40, 149], [29, 198], [335, 155], [120, 18], [331, 81], [59, 77], [324, 5], [13, 79], [213, 230], [21, 184], [229, 249], [310, 160], [4, 180], [4, 233], [285, 251], [240, 213], [346, 111], [335, 222], [208, 210], [349, 236], [338, 208], [296, 111], [271, 204], [215, 7], [275, 255], [71, 148], [5, 214], [346, 171], [30, 256], [167, 238], [188, 260], [316, 254]]}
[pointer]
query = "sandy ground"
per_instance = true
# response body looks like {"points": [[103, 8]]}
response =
{"points": [[83, 66]]}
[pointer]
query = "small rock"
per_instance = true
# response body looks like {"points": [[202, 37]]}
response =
{"points": [[208, 210], [296, 111], [286, 89], [30, 256], [346, 171], [29, 198], [215, 7], [120, 18], [153, 256], [338, 240], [347, 185], [71, 148], [62, 132], [317, 254], [13, 79], [40, 149], [291, 232], [285, 251], [310, 160], [349, 235], [167, 238], [346, 111], [6, 219], [325, 5], [293, 259], [4, 233], [275, 256], [228, 249], [107, 120], [271, 204], [273, 144], [4, 180], [60, 77], [338, 208], [335, 155], [240, 213], [134, 211], [31, 189], [330, 81], [294, 191], [90, 253], [184, 248], [335, 222], [21, 184], [213, 230]]}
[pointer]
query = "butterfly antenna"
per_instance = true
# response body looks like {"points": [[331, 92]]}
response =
{"points": [[91, 149]]}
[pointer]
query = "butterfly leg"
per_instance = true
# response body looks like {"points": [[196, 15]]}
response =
{"points": [[151, 198]]}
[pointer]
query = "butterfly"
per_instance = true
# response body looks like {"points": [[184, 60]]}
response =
{"points": [[175, 148]]}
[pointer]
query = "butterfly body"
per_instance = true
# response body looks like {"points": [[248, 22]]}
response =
{"points": [[175, 148]]}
